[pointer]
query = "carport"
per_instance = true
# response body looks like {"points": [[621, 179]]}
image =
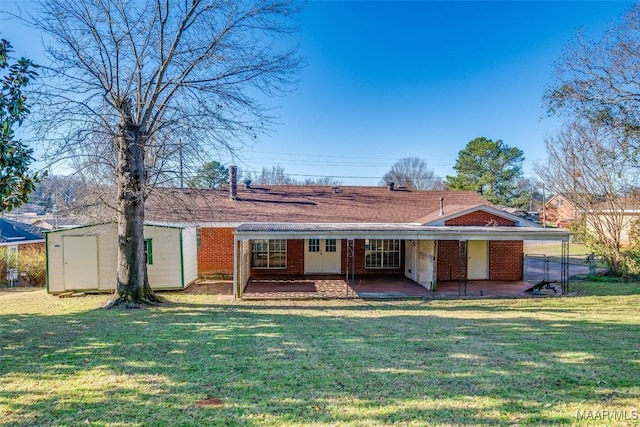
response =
{"points": [[423, 262]]}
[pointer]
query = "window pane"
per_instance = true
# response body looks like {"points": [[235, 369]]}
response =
{"points": [[373, 260], [381, 253], [314, 245], [330, 245], [269, 253], [259, 259], [277, 260], [275, 245], [391, 260], [259, 245]]}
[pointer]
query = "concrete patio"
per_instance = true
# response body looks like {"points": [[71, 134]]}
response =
{"points": [[332, 287]]}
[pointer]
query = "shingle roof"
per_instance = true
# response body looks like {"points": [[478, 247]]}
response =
{"points": [[18, 232], [303, 204]]}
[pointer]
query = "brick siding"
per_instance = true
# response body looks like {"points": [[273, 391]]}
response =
{"points": [[481, 219], [39, 245], [447, 260], [215, 254], [505, 259]]}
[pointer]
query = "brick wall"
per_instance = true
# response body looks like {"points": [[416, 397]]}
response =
{"points": [[480, 218], [215, 254], [38, 245], [447, 260], [505, 260]]}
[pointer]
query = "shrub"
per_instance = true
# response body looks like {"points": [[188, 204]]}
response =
{"points": [[31, 261], [578, 230]]}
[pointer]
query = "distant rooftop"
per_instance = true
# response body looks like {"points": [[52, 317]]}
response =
{"points": [[18, 232]]}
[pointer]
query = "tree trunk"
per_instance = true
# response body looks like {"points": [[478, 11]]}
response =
{"points": [[133, 288]]}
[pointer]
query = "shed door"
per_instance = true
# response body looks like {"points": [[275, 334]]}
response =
{"points": [[410, 260], [477, 260], [322, 256], [426, 261], [80, 262]]}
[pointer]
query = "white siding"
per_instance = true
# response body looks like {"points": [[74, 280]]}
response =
{"points": [[55, 277], [164, 273], [107, 256], [618, 226], [189, 255], [166, 270], [106, 253]]}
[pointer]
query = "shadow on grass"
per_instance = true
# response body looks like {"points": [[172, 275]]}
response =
{"points": [[358, 363]]}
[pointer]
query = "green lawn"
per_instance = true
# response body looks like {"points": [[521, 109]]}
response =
{"points": [[202, 361], [555, 248]]}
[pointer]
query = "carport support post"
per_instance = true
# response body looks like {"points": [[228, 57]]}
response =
{"points": [[236, 264], [462, 252], [564, 268]]}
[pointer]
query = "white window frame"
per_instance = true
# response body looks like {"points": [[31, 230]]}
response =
{"points": [[267, 250], [381, 248]]}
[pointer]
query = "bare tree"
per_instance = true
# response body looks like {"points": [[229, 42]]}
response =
{"points": [[586, 165], [269, 176], [135, 84], [413, 172], [599, 80], [276, 175], [325, 181]]}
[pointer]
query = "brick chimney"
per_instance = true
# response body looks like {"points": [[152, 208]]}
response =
{"points": [[233, 182]]}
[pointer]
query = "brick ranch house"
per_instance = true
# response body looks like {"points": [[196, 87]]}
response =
{"points": [[426, 236], [14, 237], [559, 210]]}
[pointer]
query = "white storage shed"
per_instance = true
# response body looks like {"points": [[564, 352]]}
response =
{"points": [[85, 258]]}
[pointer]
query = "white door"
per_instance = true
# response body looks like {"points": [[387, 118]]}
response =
{"points": [[322, 256], [410, 260], [80, 262], [477, 260], [425, 263]]}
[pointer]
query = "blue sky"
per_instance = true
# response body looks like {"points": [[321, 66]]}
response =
{"points": [[387, 80]]}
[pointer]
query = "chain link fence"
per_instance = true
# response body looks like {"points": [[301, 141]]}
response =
{"points": [[541, 267]]}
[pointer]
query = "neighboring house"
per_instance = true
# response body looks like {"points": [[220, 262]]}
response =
{"points": [[85, 258], [617, 219], [54, 223], [559, 211], [16, 236], [427, 236], [14, 233]]}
